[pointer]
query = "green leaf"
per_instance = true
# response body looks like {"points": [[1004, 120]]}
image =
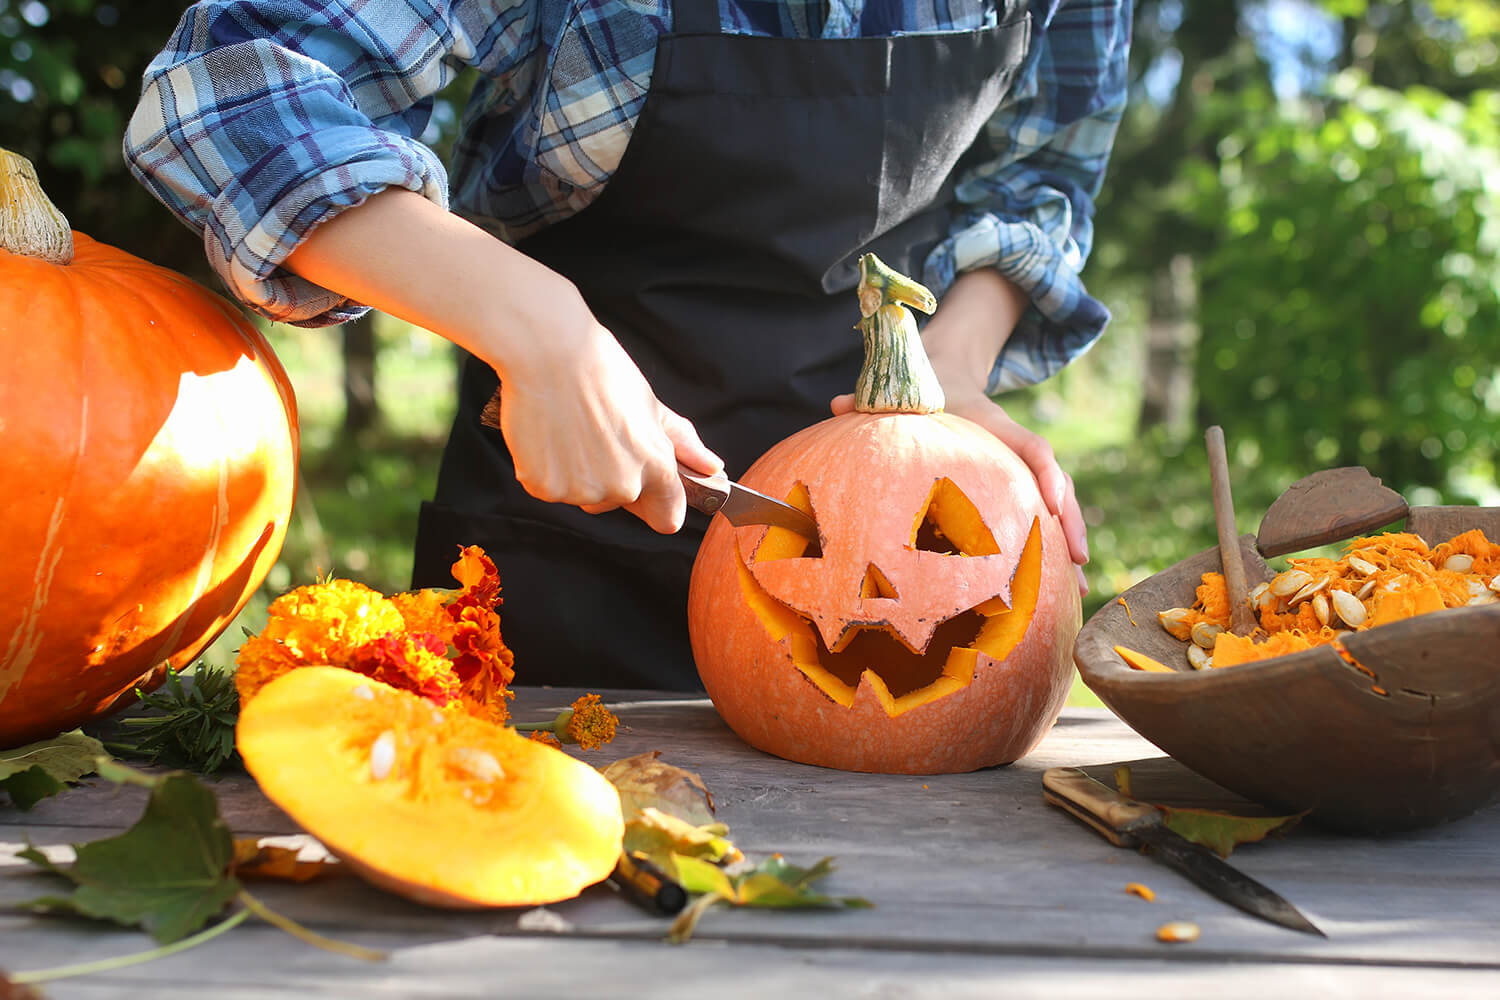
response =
{"points": [[189, 726], [169, 873], [1222, 832], [30, 773], [659, 835], [775, 882]]}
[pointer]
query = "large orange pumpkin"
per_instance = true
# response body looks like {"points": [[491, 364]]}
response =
{"points": [[934, 632], [148, 470]]}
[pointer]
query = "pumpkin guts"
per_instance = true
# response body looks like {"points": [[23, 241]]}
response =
{"points": [[1315, 601]]}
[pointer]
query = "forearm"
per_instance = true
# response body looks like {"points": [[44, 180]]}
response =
{"points": [[969, 329], [405, 256]]}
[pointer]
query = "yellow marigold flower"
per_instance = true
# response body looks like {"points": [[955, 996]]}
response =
{"points": [[321, 623]]}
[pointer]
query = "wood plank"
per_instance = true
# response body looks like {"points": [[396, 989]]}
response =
{"points": [[969, 873]]}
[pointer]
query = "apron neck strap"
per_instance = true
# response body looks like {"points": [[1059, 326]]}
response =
{"points": [[696, 17]]}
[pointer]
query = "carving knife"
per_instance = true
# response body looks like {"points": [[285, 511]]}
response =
{"points": [[1128, 823], [741, 505]]}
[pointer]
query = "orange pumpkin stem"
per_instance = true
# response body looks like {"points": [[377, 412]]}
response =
{"points": [[29, 223]]}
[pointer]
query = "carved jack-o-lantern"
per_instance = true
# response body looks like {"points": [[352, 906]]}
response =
{"points": [[932, 632]]}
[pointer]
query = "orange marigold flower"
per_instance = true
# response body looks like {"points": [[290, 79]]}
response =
{"points": [[410, 662], [426, 611], [481, 581], [545, 736], [589, 723]]}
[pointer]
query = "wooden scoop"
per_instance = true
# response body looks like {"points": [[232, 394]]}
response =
{"points": [[1242, 621]]}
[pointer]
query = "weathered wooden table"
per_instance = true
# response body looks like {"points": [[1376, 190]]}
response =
{"points": [[981, 890]]}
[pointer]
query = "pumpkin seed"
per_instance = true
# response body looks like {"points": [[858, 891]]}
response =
{"points": [[1310, 589], [1177, 932], [1495, 583], [1349, 608], [1290, 582], [1362, 566], [1204, 633], [1366, 590], [383, 755], [1261, 597], [1199, 658], [1320, 608], [1459, 562], [1173, 619], [477, 764], [1486, 598]]}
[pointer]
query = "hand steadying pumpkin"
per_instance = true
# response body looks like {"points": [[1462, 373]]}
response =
{"points": [[962, 339]]}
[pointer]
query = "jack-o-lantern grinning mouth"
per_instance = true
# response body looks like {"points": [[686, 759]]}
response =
{"points": [[867, 648]]}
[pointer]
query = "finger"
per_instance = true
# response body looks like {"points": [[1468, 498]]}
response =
{"points": [[663, 502], [598, 508], [688, 446], [1083, 582], [1075, 529], [842, 404]]}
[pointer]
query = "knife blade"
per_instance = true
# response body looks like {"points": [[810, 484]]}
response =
{"points": [[718, 494], [1128, 823]]}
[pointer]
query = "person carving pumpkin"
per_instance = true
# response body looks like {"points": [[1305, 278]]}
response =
{"points": [[649, 234]]}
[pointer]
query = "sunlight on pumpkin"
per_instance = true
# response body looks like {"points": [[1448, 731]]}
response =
{"points": [[900, 677]]}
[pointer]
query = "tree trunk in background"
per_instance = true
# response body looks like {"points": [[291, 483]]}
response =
{"points": [[1171, 336], [361, 410]]}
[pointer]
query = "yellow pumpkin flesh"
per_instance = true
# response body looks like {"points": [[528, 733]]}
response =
{"points": [[437, 806]]}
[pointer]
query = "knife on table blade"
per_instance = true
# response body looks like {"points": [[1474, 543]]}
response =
{"points": [[741, 505], [1128, 823]]}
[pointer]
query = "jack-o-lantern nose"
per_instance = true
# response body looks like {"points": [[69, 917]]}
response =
{"points": [[877, 584]]}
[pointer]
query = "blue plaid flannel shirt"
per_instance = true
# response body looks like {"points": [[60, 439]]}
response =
{"points": [[262, 118]]}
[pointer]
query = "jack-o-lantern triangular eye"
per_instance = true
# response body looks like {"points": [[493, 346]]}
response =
{"points": [[950, 523], [877, 585], [783, 543]]}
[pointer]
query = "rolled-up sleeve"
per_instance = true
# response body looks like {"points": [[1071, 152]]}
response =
{"points": [[1028, 212], [261, 120]]}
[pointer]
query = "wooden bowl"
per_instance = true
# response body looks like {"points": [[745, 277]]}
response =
{"points": [[1418, 744]]}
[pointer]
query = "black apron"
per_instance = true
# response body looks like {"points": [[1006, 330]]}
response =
{"points": [[722, 254]]}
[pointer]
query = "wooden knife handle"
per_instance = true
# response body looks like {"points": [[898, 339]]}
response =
{"points": [[705, 493], [1096, 804]]}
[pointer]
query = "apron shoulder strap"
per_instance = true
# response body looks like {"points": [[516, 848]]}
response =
{"points": [[696, 17]]}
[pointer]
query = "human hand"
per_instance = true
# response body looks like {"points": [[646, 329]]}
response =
{"points": [[584, 427]]}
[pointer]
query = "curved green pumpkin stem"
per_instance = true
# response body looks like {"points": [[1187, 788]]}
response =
{"points": [[30, 224], [896, 376]]}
